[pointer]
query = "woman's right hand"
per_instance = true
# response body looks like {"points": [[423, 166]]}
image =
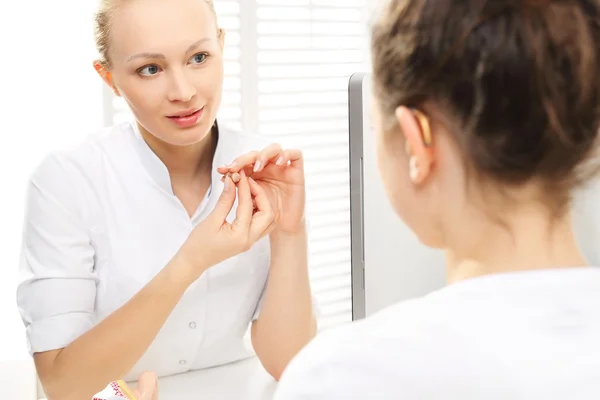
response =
{"points": [[147, 387], [215, 239]]}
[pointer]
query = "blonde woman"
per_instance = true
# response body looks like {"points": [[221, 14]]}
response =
{"points": [[137, 255]]}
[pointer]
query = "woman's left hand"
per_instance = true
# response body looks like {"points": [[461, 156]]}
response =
{"points": [[281, 174]]}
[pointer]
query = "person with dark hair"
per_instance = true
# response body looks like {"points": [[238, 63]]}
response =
{"points": [[487, 116]]}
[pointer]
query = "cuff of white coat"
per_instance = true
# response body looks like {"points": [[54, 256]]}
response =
{"points": [[57, 332]]}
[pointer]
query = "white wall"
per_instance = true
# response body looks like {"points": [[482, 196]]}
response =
{"points": [[51, 97], [586, 217]]}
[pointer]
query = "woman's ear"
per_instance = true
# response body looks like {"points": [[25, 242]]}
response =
{"points": [[106, 76], [419, 141], [221, 36]]}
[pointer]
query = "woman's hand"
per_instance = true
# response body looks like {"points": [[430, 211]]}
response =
{"points": [[215, 239], [280, 173], [147, 387]]}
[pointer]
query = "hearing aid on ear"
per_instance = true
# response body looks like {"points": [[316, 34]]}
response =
{"points": [[423, 122]]}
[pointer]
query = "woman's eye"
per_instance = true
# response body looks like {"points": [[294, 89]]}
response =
{"points": [[199, 58], [148, 70]]}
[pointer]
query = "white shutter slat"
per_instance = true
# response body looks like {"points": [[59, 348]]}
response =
{"points": [[307, 56], [301, 85], [287, 66], [330, 258], [338, 70], [302, 42]]}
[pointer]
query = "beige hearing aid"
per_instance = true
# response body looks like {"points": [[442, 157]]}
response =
{"points": [[425, 126], [235, 177]]}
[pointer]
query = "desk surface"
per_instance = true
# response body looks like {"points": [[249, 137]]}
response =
{"points": [[246, 380]]}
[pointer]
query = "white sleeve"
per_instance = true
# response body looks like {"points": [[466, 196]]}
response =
{"points": [[338, 364], [57, 284], [394, 356], [309, 376]]}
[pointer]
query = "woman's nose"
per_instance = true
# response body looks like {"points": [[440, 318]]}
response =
{"points": [[181, 88]]}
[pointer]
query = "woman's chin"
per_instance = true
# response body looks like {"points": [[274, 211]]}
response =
{"points": [[186, 137]]}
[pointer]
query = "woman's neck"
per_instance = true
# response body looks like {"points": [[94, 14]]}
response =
{"points": [[530, 240], [184, 163]]}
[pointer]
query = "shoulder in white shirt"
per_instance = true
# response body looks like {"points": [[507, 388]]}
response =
{"points": [[526, 335], [101, 221]]}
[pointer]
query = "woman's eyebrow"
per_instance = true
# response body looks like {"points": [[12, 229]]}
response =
{"points": [[161, 56]]}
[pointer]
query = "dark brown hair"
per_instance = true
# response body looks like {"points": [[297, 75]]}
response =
{"points": [[520, 80]]}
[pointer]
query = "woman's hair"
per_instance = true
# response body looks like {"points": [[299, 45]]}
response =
{"points": [[102, 25], [519, 80]]}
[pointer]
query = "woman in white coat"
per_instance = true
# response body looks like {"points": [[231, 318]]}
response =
{"points": [[487, 117], [137, 256]]}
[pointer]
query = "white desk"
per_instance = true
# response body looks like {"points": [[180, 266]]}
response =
{"points": [[246, 380]]}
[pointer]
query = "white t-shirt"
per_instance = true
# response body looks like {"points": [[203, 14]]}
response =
{"points": [[514, 336], [101, 221]]}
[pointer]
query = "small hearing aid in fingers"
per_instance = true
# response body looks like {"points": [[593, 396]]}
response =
{"points": [[235, 177]]}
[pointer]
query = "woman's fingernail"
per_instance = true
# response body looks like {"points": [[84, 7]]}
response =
{"points": [[280, 160], [226, 188], [257, 166]]}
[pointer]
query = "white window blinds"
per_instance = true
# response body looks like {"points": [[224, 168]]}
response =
{"points": [[287, 66]]}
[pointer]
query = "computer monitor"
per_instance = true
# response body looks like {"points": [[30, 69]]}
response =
{"points": [[389, 264]]}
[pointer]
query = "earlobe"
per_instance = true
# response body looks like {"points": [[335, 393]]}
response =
{"points": [[413, 169]]}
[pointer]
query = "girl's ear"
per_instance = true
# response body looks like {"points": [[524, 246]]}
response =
{"points": [[418, 142]]}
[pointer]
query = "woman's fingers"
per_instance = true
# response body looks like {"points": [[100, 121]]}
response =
{"points": [[264, 215], [245, 208], [240, 162], [225, 203], [147, 388], [256, 160], [269, 154], [291, 157]]}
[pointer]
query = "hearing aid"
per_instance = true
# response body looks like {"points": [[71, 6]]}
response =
{"points": [[235, 177]]}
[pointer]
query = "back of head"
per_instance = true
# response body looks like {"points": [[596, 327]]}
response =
{"points": [[518, 80]]}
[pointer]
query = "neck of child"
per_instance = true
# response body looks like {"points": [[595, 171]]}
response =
{"points": [[529, 239]]}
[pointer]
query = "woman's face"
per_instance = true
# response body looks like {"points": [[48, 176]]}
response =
{"points": [[167, 63]]}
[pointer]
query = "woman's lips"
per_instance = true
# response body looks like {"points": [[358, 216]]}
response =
{"points": [[186, 118]]}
